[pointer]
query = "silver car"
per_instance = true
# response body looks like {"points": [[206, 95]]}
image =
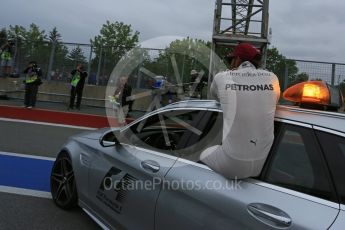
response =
{"points": [[147, 174]]}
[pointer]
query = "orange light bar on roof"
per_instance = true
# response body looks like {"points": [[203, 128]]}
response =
{"points": [[313, 92]]}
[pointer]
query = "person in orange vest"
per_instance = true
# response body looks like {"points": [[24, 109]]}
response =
{"points": [[77, 86]]}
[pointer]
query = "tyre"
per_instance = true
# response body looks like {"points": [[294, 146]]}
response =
{"points": [[62, 183]]}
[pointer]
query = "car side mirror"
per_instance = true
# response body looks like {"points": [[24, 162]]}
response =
{"points": [[110, 138]]}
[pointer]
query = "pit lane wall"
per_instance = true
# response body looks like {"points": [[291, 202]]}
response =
{"points": [[54, 91]]}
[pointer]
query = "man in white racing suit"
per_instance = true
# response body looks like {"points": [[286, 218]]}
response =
{"points": [[248, 97]]}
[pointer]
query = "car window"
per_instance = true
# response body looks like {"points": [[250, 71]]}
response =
{"points": [[334, 151], [296, 163], [164, 131], [210, 124]]}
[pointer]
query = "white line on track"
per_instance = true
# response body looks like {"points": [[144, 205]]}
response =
{"points": [[47, 124], [27, 156], [25, 192]]}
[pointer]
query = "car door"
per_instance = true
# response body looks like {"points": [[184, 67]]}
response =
{"points": [[125, 180], [333, 145], [294, 191], [124, 183]]}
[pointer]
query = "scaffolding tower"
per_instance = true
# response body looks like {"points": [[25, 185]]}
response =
{"points": [[237, 21]]}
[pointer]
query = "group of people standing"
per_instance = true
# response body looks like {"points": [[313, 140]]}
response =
{"points": [[33, 79], [33, 76], [32, 73], [78, 77]]}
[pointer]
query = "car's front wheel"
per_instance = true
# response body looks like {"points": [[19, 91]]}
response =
{"points": [[62, 182]]}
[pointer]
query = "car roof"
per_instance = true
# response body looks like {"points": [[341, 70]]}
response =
{"points": [[330, 120], [197, 104]]}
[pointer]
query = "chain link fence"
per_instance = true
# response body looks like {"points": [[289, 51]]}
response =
{"points": [[332, 73], [58, 59]]}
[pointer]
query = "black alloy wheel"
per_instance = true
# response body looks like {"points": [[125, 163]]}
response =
{"points": [[62, 183]]}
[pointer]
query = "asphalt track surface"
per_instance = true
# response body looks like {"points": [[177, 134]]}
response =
{"points": [[34, 139], [29, 212]]}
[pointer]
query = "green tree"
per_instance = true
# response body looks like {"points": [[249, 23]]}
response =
{"points": [[130, 65], [54, 35], [16, 32], [302, 77], [77, 56], [114, 40], [223, 51], [278, 64], [188, 53], [31, 45], [58, 50], [315, 79], [61, 51], [35, 43]]}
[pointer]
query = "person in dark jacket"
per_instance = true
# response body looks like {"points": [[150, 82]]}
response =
{"points": [[77, 85], [122, 93], [32, 81], [6, 57]]}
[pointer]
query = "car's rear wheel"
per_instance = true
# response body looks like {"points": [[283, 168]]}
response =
{"points": [[62, 182]]}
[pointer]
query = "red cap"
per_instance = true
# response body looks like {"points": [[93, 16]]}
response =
{"points": [[245, 51]]}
